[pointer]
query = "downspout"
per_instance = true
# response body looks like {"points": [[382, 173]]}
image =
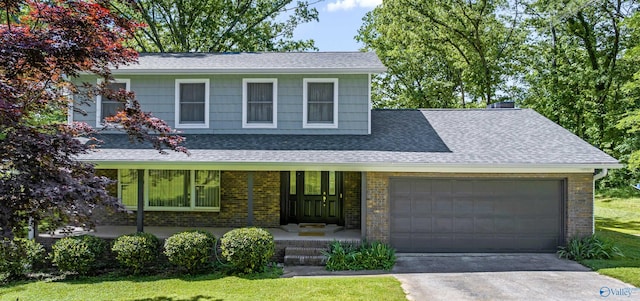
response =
{"points": [[596, 176]]}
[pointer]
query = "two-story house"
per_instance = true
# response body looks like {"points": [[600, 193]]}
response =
{"points": [[280, 138]]}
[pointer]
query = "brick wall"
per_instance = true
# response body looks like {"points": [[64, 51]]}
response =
{"points": [[266, 198], [578, 211], [233, 205], [352, 192]]}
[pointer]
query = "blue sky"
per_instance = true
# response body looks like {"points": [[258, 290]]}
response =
{"points": [[339, 24]]}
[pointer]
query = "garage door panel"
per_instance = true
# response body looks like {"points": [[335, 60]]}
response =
{"points": [[483, 205], [440, 187], [485, 225], [423, 205], [402, 241], [401, 224], [442, 224], [464, 225], [442, 206], [463, 205], [421, 225], [476, 215]]}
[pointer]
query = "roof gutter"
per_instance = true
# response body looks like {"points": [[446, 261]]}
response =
{"points": [[601, 174], [362, 166], [134, 71]]}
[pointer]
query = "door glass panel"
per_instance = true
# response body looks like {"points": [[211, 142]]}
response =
{"points": [[292, 182], [332, 183], [313, 183]]}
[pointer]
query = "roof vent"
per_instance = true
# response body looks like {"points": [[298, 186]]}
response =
{"points": [[502, 105]]}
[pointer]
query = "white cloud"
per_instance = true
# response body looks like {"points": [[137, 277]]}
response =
{"points": [[350, 4]]}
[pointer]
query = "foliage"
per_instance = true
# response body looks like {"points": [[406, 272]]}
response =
{"points": [[220, 26], [192, 250], [249, 250], [208, 287], [79, 254], [43, 46], [589, 247], [135, 251], [576, 69], [442, 53], [18, 256], [367, 256]]}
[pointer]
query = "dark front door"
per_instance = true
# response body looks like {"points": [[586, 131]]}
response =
{"points": [[312, 197]]}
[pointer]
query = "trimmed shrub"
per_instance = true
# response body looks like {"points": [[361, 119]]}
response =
{"points": [[589, 247], [192, 250], [78, 253], [18, 256], [248, 250], [367, 256], [135, 251]]}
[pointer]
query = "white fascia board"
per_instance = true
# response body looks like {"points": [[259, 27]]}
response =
{"points": [[380, 167], [249, 71]]}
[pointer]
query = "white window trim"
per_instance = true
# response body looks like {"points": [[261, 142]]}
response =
{"points": [[206, 103], [305, 123], [268, 125], [99, 118], [192, 193]]}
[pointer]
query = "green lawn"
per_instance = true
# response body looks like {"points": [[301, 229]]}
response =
{"points": [[618, 210], [208, 287], [617, 214]]}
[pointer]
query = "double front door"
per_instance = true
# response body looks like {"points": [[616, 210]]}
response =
{"points": [[311, 197]]}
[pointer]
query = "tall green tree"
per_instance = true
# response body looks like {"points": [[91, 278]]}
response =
{"points": [[219, 25], [576, 70], [630, 123], [443, 53]]}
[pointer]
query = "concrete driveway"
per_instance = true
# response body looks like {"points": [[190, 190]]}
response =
{"points": [[504, 277]]}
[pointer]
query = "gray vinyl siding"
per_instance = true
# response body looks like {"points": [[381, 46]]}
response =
{"points": [[156, 94]]}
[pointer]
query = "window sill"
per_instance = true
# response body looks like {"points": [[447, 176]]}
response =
{"points": [[192, 126], [175, 209], [320, 126], [259, 126]]}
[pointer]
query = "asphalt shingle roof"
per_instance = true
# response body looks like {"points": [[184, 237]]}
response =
{"points": [[256, 62], [500, 137]]}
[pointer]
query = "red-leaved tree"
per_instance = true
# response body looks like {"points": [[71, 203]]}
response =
{"points": [[43, 45]]}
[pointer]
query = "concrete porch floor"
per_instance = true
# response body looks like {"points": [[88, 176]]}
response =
{"points": [[165, 232]]}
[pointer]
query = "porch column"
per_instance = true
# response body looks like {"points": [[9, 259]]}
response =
{"points": [[140, 215], [250, 198]]}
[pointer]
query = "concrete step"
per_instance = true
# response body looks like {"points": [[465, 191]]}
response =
{"points": [[290, 260], [302, 251], [304, 256], [311, 227]]}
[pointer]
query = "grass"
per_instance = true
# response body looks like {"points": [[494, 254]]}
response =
{"points": [[617, 215], [618, 210], [207, 287]]}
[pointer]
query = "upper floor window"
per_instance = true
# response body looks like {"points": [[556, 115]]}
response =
{"points": [[192, 103], [106, 107], [320, 97], [259, 103]]}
